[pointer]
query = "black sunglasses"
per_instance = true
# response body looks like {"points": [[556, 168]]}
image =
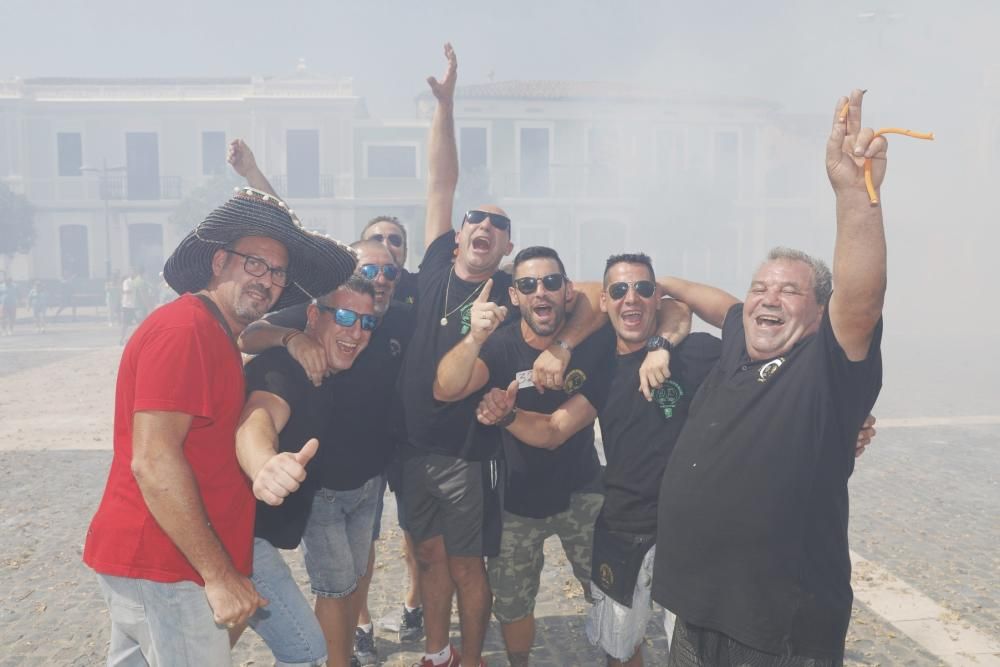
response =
{"points": [[395, 240], [347, 318], [257, 268], [551, 283], [644, 288], [474, 217], [371, 271]]}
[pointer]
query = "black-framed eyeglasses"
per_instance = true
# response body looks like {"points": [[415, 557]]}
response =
{"points": [[347, 318], [395, 240], [644, 288], [529, 284], [474, 217], [257, 268], [371, 271]]}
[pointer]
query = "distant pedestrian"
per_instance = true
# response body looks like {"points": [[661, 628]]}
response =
{"points": [[38, 302], [67, 287], [113, 298], [8, 304], [130, 303]]}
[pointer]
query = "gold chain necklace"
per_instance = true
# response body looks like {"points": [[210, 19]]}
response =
{"points": [[445, 312]]}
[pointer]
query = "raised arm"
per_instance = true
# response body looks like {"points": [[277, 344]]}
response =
{"points": [[859, 257], [461, 372], [243, 162], [170, 490], [263, 335], [709, 303], [274, 475], [442, 153], [534, 428]]}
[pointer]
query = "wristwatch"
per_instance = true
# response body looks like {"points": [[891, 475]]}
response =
{"points": [[659, 343], [507, 419]]}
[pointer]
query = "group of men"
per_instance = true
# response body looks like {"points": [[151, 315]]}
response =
{"points": [[474, 392]]}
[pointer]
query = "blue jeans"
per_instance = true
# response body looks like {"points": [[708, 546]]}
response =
{"points": [[161, 625], [287, 624], [338, 537]]}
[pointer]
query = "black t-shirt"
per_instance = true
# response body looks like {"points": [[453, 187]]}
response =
{"points": [[539, 481], [639, 435], [406, 288], [367, 402], [754, 506], [433, 426], [275, 371]]}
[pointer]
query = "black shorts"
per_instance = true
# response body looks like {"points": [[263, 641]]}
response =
{"points": [[692, 646], [457, 499]]}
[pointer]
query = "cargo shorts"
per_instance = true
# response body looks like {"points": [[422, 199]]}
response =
{"points": [[516, 571]]}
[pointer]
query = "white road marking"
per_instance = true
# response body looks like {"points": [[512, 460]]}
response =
{"points": [[939, 631]]}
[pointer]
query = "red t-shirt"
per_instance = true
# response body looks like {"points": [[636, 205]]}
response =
{"points": [[179, 360]]}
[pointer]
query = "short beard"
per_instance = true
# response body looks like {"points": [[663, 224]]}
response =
{"points": [[247, 311]]}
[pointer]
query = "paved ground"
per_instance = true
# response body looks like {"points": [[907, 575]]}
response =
{"points": [[924, 507]]}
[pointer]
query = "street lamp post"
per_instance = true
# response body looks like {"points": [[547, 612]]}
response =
{"points": [[105, 195]]}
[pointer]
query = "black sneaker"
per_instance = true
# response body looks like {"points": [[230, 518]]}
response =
{"points": [[411, 627], [364, 648], [355, 662]]}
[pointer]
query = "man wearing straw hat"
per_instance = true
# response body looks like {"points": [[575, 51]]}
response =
{"points": [[171, 541]]}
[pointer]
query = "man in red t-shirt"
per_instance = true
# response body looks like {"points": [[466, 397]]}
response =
{"points": [[172, 539]]}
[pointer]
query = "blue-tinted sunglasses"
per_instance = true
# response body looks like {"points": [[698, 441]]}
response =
{"points": [[370, 271], [347, 318]]}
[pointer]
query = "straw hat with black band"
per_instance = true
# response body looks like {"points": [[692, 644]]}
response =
{"points": [[317, 264]]}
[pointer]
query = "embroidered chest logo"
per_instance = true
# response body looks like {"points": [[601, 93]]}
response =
{"points": [[466, 313], [395, 348], [667, 397], [768, 370], [607, 576], [574, 380]]}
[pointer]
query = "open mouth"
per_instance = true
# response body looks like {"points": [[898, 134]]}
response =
{"points": [[257, 295], [632, 317], [347, 347], [542, 311], [481, 243], [768, 321]]}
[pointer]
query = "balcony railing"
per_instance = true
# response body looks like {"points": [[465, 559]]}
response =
{"points": [[326, 186]]}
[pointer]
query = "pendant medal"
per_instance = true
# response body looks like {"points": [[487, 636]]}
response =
{"points": [[444, 321]]}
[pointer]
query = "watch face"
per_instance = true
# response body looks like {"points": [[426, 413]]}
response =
{"points": [[655, 343]]}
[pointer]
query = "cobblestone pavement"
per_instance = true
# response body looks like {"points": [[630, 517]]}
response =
{"points": [[924, 507]]}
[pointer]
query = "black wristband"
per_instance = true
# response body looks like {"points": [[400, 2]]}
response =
{"points": [[507, 419]]}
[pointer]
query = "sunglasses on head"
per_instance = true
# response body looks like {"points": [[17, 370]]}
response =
{"points": [[371, 271], [644, 288], [474, 217], [393, 239], [347, 318], [529, 284]]}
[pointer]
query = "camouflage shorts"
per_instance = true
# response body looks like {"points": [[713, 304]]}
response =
{"points": [[515, 572]]}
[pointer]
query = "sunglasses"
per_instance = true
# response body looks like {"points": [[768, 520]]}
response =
{"points": [[644, 288], [347, 318], [395, 240], [501, 222], [258, 268], [371, 271], [551, 283]]}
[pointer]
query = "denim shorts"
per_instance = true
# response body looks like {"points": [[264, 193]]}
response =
{"points": [[377, 530], [338, 538], [161, 624], [287, 624]]}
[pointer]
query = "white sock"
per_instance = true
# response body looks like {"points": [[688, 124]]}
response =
{"points": [[439, 658], [366, 628], [410, 609]]}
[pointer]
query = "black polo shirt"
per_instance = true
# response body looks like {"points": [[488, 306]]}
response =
{"points": [[431, 425], [539, 481], [639, 435], [753, 508]]}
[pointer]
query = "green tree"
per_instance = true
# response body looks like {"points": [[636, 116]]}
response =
{"points": [[17, 222], [201, 201]]}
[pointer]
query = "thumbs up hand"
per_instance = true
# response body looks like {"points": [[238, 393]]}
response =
{"points": [[496, 404], [485, 316], [283, 474]]}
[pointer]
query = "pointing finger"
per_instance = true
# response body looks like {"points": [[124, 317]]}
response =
{"points": [[484, 293]]}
